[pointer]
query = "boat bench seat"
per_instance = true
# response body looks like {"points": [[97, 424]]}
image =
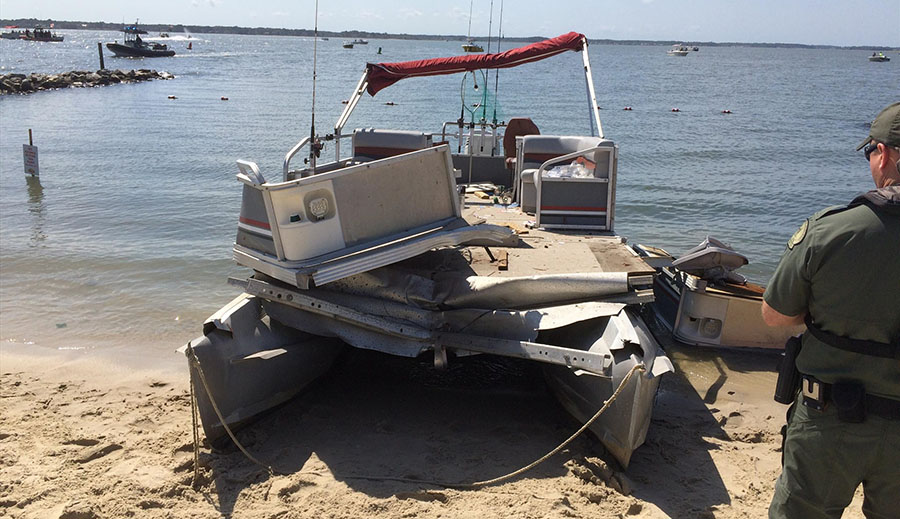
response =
{"points": [[372, 144], [566, 202]]}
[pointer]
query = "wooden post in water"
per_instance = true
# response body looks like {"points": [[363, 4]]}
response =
{"points": [[100, 51]]}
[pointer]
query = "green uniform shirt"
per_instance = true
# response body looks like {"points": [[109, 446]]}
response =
{"points": [[843, 267]]}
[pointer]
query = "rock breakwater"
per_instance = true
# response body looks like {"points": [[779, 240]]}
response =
{"points": [[26, 84]]}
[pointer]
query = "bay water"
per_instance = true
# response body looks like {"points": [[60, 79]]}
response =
{"points": [[125, 240]]}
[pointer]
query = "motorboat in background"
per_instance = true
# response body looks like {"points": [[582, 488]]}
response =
{"points": [[880, 57], [359, 41], [679, 49], [381, 249], [347, 44], [702, 300], [470, 45], [37, 34], [135, 47]]}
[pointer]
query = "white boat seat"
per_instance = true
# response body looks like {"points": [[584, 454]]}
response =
{"points": [[373, 144], [561, 201]]}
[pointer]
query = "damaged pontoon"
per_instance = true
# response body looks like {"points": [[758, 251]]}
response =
{"points": [[378, 250]]}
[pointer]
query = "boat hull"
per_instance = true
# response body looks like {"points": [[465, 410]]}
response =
{"points": [[127, 51], [622, 428], [251, 364]]}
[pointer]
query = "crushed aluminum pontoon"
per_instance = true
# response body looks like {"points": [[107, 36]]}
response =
{"points": [[376, 250]]}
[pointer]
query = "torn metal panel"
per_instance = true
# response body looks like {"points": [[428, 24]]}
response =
{"points": [[326, 271], [386, 333], [530, 291], [390, 316]]}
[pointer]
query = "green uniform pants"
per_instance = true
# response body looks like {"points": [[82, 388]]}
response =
{"points": [[825, 460]]}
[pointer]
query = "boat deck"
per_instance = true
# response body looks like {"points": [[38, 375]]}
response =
{"points": [[547, 252]]}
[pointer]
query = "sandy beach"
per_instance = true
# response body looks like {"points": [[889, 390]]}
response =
{"points": [[83, 436]]}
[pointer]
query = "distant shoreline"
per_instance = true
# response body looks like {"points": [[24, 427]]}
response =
{"points": [[269, 31]]}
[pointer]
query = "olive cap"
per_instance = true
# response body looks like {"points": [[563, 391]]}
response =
{"points": [[885, 128]]}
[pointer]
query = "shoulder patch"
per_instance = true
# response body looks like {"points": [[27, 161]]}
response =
{"points": [[799, 235]]}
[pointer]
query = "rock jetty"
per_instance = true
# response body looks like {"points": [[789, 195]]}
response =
{"points": [[26, 84]]}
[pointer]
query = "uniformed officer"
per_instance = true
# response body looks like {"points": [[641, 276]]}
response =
{"points": [[840, 274]]}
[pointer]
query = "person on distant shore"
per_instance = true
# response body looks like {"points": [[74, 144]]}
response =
{"points": [[840, 274]]}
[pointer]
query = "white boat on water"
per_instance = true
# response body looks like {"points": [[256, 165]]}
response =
{"points": [[360, 41], [679, 49], [379, 249], [879, 56]]}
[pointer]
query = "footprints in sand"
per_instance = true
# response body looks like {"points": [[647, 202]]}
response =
{"points": [[98, 452], [596, 471], [82, 442], [736, 427]]}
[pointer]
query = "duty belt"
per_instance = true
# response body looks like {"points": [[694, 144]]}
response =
{"points": [[815, 391]]}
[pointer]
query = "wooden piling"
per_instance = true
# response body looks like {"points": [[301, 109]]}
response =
{"points": [[100, 51]]}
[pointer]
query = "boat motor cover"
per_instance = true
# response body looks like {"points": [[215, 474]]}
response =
{"points": [[383, 75], [712, 260]]}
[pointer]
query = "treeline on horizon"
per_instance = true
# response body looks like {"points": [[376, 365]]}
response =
{"points": [[27, 23]]}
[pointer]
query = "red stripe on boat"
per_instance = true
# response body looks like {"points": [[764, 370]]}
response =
{"points": [[570, 208], [255, 223]]}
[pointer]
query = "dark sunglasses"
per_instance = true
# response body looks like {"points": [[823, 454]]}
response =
{"points": [[872, 146]]}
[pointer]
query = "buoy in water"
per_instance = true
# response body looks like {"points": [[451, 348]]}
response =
{"points": [[223, 98], [390, 103], [190, 45], [676, 110], [172, 97], [627, 108], [726, 111]]}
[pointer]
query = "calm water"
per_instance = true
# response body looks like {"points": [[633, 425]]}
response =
{"points": [[126, 239]]}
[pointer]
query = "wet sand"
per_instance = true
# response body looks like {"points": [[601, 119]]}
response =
{"points": [[83, 436]]}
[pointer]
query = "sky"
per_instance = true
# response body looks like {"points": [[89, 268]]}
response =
{"points": [[821, 22]]}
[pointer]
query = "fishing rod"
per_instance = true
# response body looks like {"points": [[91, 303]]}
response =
{"points": [[497, 71], [315, 147]]}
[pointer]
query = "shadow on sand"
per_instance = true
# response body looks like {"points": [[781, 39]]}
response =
{"points": [[375, 416]]}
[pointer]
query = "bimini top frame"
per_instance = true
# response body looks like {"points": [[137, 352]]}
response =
{"points": [[378, 76]]}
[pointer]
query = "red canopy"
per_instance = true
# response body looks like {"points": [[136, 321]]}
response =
{"points": [[382, 75]]}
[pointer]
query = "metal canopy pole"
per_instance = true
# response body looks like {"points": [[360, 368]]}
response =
{"points": [[351, 104], [592, 97]]}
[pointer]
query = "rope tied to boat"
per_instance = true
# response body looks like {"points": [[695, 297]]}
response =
{"points": [[195, 362]]}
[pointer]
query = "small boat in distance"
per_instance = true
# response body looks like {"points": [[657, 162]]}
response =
{"points": [[470, 45], [360, 41], [134, 47], [679, 49], [38, 34], [879, 56], [347, 44]]}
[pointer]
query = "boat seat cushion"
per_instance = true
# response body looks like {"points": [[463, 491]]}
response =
{"points": [[373, 144], [537, 149]]}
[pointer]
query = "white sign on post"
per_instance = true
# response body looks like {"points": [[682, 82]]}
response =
{"points": [[31, 160]]}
